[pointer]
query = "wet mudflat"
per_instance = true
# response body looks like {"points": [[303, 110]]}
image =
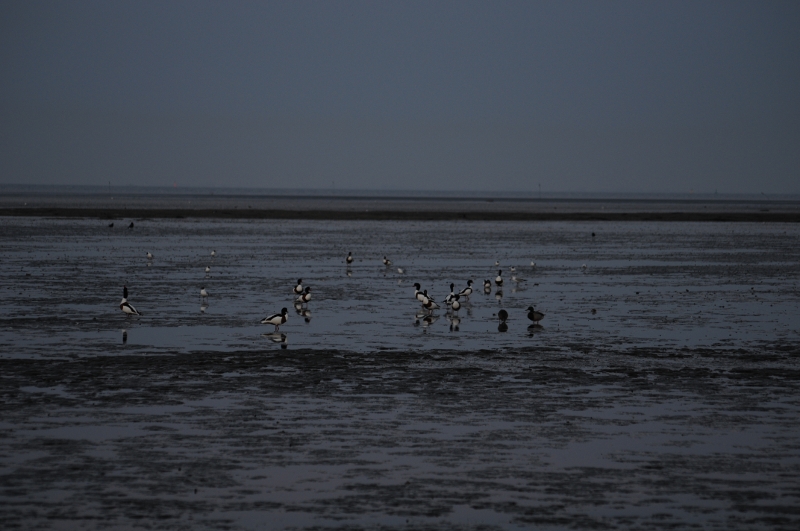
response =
{"points": [[673, 404]]}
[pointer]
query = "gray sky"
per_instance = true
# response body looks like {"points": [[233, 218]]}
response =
{"points": [[578, 96]]}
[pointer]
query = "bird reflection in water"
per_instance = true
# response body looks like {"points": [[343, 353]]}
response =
{"points": [[349, 272], [124, 337], [277, 337], [305, 313], [425, 319], [499, 295], [455, 322], [203, 308], [534, 329], [502, 327]]}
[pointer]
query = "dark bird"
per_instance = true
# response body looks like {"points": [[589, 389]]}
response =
{"points": [[534, 316]]}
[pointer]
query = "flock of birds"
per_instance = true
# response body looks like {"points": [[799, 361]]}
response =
{"points": [[429, 305]]}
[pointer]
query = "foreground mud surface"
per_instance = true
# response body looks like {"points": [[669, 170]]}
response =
{"points": [[557, 438]]}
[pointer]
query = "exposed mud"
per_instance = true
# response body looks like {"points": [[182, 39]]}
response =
{"points": [[557, 438]]}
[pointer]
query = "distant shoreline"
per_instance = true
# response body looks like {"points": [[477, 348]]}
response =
{"points": [[396, 215]]}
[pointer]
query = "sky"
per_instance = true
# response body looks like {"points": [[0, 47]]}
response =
{"points": [[574, 96]]}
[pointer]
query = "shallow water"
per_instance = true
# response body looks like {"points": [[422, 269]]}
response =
{"points": [[675, 406], [650, 284]]}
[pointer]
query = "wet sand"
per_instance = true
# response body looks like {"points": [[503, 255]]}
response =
{"points": [[564, 438], [674, 404]]}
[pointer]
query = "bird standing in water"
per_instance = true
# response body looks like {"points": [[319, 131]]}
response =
{"points": [[276, 319], [534, 316], [124, 305]]}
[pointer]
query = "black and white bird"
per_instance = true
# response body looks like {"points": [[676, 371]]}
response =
{"points": [[213, 254], [583, 267], [149, 255], [418, 294], [276, 319], [349, 258], [456, 305], [203, 293], [124, 305], [497, 263], [449, 299], [502, 315], [487, 286], [534, 316], [499, 278], [386, 262], [429, 303], [305, 296], [208, 269], [466, 292], [298, 289]]}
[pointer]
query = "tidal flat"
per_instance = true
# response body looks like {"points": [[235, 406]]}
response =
{"points": [[662, 389]]}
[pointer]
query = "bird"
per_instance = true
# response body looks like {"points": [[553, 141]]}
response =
{"points": [[466, 292], [124, 305], [131, 225], [533, 264], [400, 270], [213, 253], [305, 296], [503, 315], [418, 294], [208, 269], [298, 289], [276, 319], [149, 255], [497, 263], [456, 305], [513, 270], [429, 303], [499, 279], [449, 299], [111, 225], [534, 316], [487, 286], [583, 267], [203, 293], [386, 262], [349, 258]]}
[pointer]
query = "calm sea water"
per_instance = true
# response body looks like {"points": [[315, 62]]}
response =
{"points": [[643, 284]]}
